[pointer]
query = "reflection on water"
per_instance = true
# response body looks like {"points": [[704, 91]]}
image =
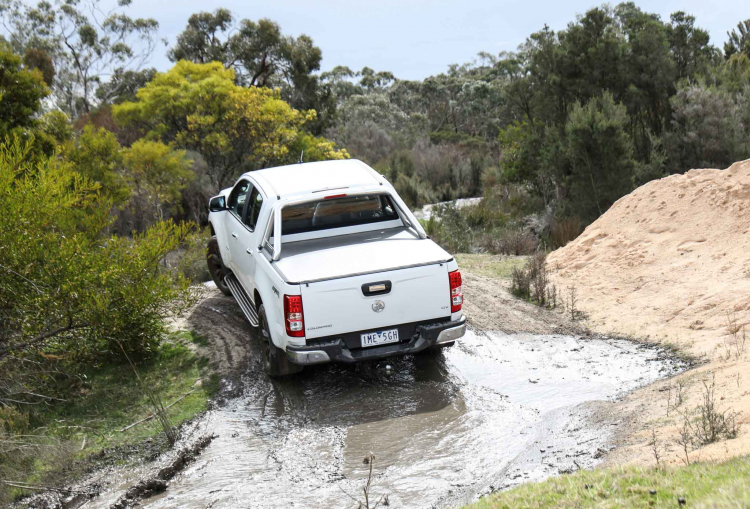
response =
{"points": [[444, 429]]}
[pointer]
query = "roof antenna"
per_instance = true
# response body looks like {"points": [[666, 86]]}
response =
{"points": [[300, 157]]}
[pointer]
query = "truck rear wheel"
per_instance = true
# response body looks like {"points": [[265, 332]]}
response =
{"points": [[275, 363], [216, 266]]}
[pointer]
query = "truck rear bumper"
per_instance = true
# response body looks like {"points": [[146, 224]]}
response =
{"points": [[335, 350]]}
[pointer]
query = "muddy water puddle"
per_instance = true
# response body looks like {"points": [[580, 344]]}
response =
{"points": [[493, 411]]}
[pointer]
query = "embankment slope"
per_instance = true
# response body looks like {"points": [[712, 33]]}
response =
{"points": [[670, 262]]}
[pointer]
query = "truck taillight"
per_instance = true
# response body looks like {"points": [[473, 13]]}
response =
{"points": [[294, 317], [457, 294]]}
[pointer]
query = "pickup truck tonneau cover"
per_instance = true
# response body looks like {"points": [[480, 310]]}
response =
{"points": [[357, 253]]}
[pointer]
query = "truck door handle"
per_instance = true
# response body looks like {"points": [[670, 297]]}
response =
{"points": [[234, 235], [249, 251]]}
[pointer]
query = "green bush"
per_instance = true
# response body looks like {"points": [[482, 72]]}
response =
{"points": [[483, 215], [449, 228], [531, 282], [69, 293], [190, 258], [511, 241]]}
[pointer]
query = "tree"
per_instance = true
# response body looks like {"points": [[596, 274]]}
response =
{"points": [[260, 55], [97, 155], [600, 155], [521, 162], [689, 45], [21, 94], [39, 59], [157, 175], [339, 80], [707, 128], [739, 40], [144, 181], [235, 129], [84, 43], [123, 85], [650, 73], [201, 41], [257, 51]]}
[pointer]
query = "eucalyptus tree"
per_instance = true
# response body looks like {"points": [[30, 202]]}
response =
{"points": [[85, 43], [689, 45], [739, 40], [260, 55]]}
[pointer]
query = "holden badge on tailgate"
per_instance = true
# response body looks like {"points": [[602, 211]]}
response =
{"points": [[378, 306]]}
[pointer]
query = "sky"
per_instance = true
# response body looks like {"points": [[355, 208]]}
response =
{"points": [[418, 38]]}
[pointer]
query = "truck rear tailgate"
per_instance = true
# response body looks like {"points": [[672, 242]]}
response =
{"points": [[340, 305]]}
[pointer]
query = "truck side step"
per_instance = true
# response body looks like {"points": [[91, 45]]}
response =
{"points": [[246, 305]]}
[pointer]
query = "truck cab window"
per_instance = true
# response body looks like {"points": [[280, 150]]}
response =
{"points": [[238, 196], [337, 213], [253, 208]]}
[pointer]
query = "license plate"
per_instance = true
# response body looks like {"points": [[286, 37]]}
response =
{"points": [[380, 338]]}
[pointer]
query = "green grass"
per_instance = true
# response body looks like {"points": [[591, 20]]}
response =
{"points": [[701, 485], [105, 399], [497, 266], [191, 337], [110, 398]]}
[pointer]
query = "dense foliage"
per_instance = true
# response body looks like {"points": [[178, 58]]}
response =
{"points": [[575, 118], [69, 291], [234, 128]]}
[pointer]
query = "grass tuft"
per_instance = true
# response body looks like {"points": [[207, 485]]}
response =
{"points": [[495, 266], [700, 485], [105, 399]]}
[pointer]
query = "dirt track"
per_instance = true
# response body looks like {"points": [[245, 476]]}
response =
{"points": [[523, 396], [488, 305]]}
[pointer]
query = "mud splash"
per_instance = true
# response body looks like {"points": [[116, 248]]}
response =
{"points": [[493, 411]]}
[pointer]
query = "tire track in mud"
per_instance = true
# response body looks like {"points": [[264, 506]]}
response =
{"points": [[232, 341], [494, 410]]}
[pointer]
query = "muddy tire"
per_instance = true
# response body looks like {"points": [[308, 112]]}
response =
{"points": [[275, 363], [216, 266]]}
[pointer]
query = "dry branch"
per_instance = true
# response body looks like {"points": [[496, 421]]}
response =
{"points": [[151, 416]]}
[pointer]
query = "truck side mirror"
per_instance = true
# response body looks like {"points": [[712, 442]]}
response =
{"points": [[217, 204]]}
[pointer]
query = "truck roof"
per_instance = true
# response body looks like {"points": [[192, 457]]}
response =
{"points": [[304, 178]]}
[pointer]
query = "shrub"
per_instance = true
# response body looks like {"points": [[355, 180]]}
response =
{"points": [[190, 258], [448, 228], [69, 292], [711, 424], [482, 215], [13, 421], [513, 242], [531, 282], [565, 230], [517, 242], [520, 283]]}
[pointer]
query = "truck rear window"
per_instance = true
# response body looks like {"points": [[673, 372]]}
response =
{"points": [[337, 213]]}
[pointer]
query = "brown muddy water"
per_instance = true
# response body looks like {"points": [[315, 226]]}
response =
{"points": [[491, 412]]}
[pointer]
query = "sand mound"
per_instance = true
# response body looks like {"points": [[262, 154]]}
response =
{"points": [[668, 261]]}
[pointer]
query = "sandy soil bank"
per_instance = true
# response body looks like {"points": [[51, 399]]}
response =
{"points": [[670, 263]]}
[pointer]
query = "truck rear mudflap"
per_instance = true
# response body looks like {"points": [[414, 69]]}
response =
{"points": [[343, 348]]}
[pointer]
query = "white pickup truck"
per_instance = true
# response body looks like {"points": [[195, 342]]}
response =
{"points": [[329, 263]]}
